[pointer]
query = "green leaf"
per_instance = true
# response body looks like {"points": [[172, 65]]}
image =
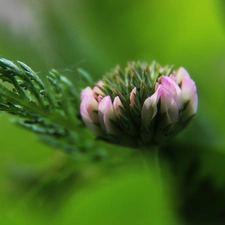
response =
{"points": [[49, 109]]}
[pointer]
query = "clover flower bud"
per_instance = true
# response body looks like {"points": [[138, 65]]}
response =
{"points": [[141, 105], [132, 96], [116, 106]]}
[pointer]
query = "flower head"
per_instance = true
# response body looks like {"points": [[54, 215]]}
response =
{"points": [[141, 105]]}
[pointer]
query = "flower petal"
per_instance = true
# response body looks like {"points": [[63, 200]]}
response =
{"points": [[173, 77], [132, 96], [97, 91], [149, 109], [168, 105], [116, 106], [189, 94], [181, 72], [99, 99], [86, 92], [106, 114], [88, 108], [173, 88]]}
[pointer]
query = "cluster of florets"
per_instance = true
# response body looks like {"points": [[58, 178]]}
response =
{"points": [[141, 105]]}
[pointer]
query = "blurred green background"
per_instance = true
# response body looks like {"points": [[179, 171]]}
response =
{"points": [[97, 35]]}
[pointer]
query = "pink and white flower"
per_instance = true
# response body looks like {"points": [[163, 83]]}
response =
{"points": [[98, 111], [126, 115]]}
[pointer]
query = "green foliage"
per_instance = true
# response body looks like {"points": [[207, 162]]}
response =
{"points": [[48, 108]]}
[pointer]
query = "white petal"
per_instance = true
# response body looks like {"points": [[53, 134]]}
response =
{"points": [[189, 94], [181, 72], [116, 106], [106, 114], [149, 109], [88, 113], [89, 106]]}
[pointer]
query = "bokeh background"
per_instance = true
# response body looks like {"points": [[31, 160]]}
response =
{"points": [[97, 35]]}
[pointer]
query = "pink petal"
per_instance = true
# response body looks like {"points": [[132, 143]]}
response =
{"points": [[116, 106], [101, 110], [168, 105], [88, 108], [86, 92], [173, 77], [149, 109], [132, 96], [97, 91], [173, 88], [181, 72], [99, 99], [106, 114], [189, 94]]}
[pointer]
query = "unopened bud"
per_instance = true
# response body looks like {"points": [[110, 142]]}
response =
{"points": [[141, 105]]}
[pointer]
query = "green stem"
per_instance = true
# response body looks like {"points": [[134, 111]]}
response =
{"points": [[157, 165], [152, 155]]}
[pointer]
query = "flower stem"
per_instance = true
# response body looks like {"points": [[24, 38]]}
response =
{"points": [[157, 166], [152, 160]]}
